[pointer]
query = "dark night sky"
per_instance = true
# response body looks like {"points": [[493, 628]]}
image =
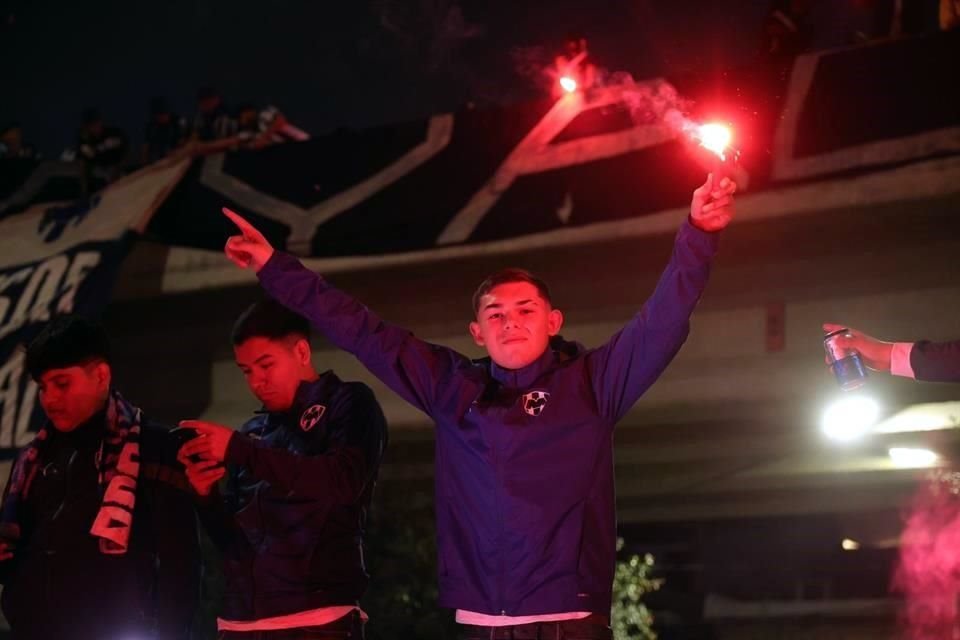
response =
{"points": [[334, 64]]}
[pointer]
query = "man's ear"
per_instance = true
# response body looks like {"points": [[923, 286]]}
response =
{"points": [[477, 334], [103, 375], [303, 351], [554, 322]]}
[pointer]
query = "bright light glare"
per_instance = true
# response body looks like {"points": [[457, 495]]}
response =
{"points": [[568, 84], [907, 458], [715, 137], [850, 418], [930, 416], [849, 545]]}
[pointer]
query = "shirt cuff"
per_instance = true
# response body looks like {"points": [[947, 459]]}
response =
{"points": [[900, 360]]}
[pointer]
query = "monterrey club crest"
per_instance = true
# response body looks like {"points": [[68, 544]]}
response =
{"points": [[535, 401], [312, 416]]}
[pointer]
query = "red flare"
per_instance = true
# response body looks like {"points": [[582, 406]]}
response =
{"points": [[714, 137]]}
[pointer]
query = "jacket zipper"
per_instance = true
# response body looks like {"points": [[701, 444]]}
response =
{"points": [[502, 533]]}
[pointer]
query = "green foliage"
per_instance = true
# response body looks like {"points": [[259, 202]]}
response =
{"points": [[402, 561], [630, 617]]}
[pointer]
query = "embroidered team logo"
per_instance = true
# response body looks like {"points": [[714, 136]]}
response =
{"points": [[312, 416], [535, 401]]}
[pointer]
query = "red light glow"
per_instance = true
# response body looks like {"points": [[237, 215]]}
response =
{"points": [[715, 138]]}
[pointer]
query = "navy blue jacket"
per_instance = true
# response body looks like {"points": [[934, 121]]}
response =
{"points": [[524, 458], [291, 526], [936, 361]]}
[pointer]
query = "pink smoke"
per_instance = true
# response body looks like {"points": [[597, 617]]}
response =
{"points": [[928, 571]]}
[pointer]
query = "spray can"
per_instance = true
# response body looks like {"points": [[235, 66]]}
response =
{"points": [[845, 362]]}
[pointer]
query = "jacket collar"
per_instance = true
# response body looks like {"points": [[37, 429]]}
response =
{"points": [[557, 352], [308, 394]]}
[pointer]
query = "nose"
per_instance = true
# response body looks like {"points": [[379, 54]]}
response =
{"points": [[51, 410], [510, 321], [257, 381], [48, 400]]}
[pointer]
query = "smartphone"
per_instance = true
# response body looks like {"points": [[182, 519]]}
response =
{"points": [[183, 435]]}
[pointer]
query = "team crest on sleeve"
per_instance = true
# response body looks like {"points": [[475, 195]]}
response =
{"points": [[535, 401], [312, 416]]}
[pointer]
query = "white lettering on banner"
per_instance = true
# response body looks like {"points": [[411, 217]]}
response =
{"points": [[83, 263], [5, 303], [49, 288], [24, 435], [41, 290], [35, 302], [15, 410]]}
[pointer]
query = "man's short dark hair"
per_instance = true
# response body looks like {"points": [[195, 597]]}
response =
{"points": [[67, 341], [269, 319], [90, 115], [505, 276], [158, 105], [205, 93]]}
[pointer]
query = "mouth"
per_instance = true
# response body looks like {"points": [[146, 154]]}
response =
{"points": [[272, 398], [59, 420], [513, 340]]}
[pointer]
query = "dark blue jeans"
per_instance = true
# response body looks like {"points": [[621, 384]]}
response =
{"points": [[594, 627]]}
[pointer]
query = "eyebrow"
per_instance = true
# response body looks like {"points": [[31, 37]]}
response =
{"points": [[498, 305], [257, 361]]}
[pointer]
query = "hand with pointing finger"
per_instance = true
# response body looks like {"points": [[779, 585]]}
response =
{"points": [[250, 249]]}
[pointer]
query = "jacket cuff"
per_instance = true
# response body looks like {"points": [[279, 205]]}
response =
{"points": [[694, 235], [900, 360], [274, 266]]}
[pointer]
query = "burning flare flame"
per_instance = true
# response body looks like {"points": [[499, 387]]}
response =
{"points": [[715, 138]]}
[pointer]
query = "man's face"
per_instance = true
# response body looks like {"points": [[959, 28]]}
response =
{"points": [[94, 128], [72, 395], [13, 138], [514, 323], [209, 104], [274, 368], [247, 117]]}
